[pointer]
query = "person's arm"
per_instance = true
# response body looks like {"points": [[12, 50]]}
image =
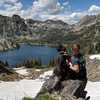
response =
{"points": [[75, 67]]}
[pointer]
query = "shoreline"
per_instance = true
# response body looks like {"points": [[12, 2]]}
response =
{"points": [[40, 44], [31, 44]]}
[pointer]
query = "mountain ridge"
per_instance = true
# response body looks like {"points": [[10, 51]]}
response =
{"points": [[86, 31]]}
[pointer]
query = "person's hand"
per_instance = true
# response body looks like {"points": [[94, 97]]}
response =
{"points": [[74, 67], [70, 64], [67, 61]]}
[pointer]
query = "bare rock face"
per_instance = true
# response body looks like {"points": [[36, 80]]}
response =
{"points": [[93, 69], [15, 25], [64, 89], [9, 26], [48, 30], [6, 44], [67, 89], [1, 48], [71, 88], [87, 20], [19, 25]]}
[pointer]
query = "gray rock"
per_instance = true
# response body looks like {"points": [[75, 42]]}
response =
{"points": [[93, 69], [73, 89], [51, 83], [67, 89], [6, 44]]}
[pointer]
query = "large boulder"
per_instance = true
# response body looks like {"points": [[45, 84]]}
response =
{"points": [[93, 69], [65, 89], [73, 89]]}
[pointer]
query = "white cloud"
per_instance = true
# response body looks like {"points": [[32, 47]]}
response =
{"points": [[10, 7], [51, 9], [47, 6], [40, 10], [43, 7], [94, 9], [46, 9], [48, 3], [9, 1]]}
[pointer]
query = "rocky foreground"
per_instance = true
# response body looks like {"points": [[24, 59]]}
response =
{"points": [[92, 88], [93, 68], [7, 44], [17, 90], [31, 84]]}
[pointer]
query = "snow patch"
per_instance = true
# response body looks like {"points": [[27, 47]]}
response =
{"points": [[21, 71], [93, 90], [97, 56], [38, 70]]}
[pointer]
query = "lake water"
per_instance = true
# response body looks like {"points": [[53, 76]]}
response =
{"points": [[25, 52]]}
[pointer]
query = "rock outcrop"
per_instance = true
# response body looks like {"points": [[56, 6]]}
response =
{"points": [[6, 44], [9, 26], [7, 73], [65, 89], [93, 69], [4, 68], [15, 25]]}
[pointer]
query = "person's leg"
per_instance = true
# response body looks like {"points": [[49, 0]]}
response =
{"points": [[80, 91]]}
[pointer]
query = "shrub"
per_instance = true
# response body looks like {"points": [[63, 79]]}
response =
{"points": [[27, 98], [45, 97], [53, 62]]}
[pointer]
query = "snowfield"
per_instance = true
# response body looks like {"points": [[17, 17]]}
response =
{"points": [[93, 90], [24, 88], [17, 90]]}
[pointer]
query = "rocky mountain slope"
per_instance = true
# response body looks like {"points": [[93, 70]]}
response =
{"points": [[89, 30], [15, 25], [6, 44], [86, 32]]}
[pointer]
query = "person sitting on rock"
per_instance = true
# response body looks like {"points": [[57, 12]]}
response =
{"points": [[78, 64], [61, 70], [63, 62], [76, 83]]}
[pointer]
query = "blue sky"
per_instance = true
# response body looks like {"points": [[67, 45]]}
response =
{"points": [[83, 4], [76, 5], [27, 3], [70, 11]]}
